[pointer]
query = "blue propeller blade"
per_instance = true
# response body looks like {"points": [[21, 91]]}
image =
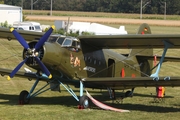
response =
{"points": [[43, 67], [21, 40], [16, 69], [44, 38]]}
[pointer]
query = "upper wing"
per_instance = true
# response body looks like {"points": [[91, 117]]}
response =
{"points": [[27, 35], [129, 82], [131, 40]]}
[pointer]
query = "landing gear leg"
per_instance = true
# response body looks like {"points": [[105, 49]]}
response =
{"points": [[84, 100]]}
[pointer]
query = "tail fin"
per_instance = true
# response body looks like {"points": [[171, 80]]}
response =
{"points": [[140, 54], [143, 29]]}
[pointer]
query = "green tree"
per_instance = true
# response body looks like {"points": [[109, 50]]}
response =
{"points": [[13, 2], [123, 6], [1, 1]]}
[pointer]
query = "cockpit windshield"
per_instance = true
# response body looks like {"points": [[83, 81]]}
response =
{"points": [[67, 42], [64, 41], [52, 39], [71, 42]]}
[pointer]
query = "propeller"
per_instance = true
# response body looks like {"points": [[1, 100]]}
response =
{"points": [[31, 52]]}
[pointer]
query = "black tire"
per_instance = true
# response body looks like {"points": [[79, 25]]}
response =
{"points": [[23, 97], [84, 102], [128, 94]]}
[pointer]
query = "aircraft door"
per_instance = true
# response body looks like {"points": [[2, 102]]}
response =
{"points": [[111, 68]]}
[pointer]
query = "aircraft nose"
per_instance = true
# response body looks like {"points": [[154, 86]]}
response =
{"points": [[52, 54]]}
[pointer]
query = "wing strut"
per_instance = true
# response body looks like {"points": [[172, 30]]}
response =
{"points": [[156, 74]]}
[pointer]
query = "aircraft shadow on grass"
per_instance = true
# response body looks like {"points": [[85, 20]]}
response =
{"points": [[10, 99]]}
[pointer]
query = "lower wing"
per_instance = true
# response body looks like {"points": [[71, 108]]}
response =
{"points": [[129, 82]]}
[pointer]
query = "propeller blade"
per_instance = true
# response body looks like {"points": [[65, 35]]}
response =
{"points": [[43, 67], [21, 40], [44, 38], [16, 69]]}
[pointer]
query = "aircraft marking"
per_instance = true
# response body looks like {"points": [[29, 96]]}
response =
{"points": [[90, 69]]}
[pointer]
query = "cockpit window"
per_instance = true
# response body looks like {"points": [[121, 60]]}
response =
{"points": [[52, 39], [72, 44], [60, 40], [67, 42]]}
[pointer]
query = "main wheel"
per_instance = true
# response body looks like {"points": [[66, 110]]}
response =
{"points": [[129, 94], [84, 101], [23, 97]]}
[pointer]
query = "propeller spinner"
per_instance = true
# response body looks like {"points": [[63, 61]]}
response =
{"points": [[32, 52]]}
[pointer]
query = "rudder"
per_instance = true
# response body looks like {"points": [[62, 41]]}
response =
{"points": [[146, 65]]}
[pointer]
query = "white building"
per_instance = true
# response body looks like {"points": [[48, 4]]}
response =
{"points": [[10, 14]]}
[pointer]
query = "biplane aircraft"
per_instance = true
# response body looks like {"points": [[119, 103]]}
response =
{"points": [[89, 62]]}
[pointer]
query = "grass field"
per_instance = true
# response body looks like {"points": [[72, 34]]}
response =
{"points": [[101, 14], [54, 105]]}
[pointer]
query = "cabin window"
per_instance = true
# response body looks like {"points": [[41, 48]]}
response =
{"points": [[99, 63], [89, 59], [85, 58], [94, 61]]}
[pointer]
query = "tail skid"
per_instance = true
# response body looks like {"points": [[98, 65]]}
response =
{"points": [[103, 106]]}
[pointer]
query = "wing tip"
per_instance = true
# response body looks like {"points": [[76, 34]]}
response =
{"points": [[50, 76], [53, 27], [8, 78]]}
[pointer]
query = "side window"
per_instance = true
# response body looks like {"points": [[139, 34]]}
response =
{"points": [[67, 42], [74, 44], [71, 44], [29, 27], [78, 45], [32, 28]]}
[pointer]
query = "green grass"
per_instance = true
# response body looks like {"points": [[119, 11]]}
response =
{"points": [[101, 14], [54, 105]]}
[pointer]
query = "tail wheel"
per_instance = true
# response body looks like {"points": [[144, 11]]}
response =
{"points": [[84, 102], [23, 97]]}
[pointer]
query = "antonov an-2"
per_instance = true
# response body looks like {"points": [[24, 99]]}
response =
{"points": [[89, 62]]}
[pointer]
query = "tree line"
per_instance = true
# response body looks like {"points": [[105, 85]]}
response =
{"points": [[171, 7]]}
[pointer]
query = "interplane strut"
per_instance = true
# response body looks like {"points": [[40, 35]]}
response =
{"points": [[156, 74]]}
